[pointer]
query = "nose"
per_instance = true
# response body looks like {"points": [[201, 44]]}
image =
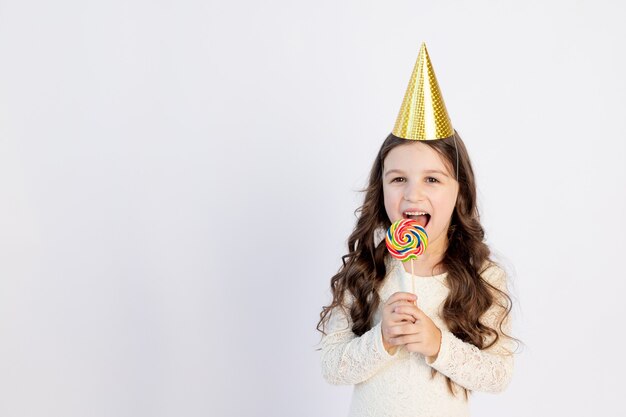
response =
{"points": [[413, 192]]}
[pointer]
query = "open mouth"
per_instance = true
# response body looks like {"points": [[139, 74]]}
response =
{"points": [[420, 216]]}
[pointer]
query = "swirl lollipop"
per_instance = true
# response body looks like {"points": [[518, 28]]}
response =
{"points": [[406, 240]]}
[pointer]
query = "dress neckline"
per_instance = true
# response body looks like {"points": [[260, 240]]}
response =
{"points": [[398, 264]]}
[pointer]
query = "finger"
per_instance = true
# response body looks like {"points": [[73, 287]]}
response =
{"points": [[405, 339], [415, 347], [419, 313], [399, 296], [398, 299], [398, 318], [411, 310], [403, 329], [391, 307], [403, 312]]}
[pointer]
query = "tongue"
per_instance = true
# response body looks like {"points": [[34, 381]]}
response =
{"points": [[421, 219]]}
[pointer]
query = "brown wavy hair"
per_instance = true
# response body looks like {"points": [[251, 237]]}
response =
{"points": [[466, 257]]}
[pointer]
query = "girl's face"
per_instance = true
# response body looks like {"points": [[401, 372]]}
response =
{"points": [[416, 180]]}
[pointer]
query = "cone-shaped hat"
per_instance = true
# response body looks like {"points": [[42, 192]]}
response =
{"points": [[423, 115]]}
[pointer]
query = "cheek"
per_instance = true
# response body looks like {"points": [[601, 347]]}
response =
{"points": [[387, 199], [445, 204], [390, 199], [392, 195], [449, 200]]}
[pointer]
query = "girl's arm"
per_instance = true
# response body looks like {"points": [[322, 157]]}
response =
{"points": [[488, 370], [348, 359]]}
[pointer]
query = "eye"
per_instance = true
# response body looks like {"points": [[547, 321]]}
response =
{"points": [[432, 180], [397, 178]]}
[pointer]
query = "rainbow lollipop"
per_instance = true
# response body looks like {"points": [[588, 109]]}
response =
{"points": [[406, 240]]}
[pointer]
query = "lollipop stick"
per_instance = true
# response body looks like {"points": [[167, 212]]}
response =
{"points": [[412, 277], [406, 239]]}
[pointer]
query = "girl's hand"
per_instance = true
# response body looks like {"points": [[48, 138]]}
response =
{"points": [[392, 320], [419, 334]]}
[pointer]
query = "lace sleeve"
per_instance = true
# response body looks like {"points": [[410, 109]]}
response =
{"points": [[348, 359], [488, 370]]}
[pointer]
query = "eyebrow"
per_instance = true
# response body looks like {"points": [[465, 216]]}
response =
{"points": [[428, 171], [435, 171]]}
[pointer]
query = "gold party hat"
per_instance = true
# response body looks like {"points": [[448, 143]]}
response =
{"points": [[423, 115]]}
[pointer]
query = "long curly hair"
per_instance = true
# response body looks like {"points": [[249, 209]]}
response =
{"points": [[466, 256]]}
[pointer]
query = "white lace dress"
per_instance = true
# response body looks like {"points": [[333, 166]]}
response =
{"points": [[400, 385]]}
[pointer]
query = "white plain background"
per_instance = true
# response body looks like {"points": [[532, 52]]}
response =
{"points": [[178, 181]]}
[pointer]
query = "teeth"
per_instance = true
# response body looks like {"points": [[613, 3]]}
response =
{"points": [[415, 213]]}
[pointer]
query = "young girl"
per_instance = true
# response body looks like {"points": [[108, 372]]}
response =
{"points": [[418, 354]]}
